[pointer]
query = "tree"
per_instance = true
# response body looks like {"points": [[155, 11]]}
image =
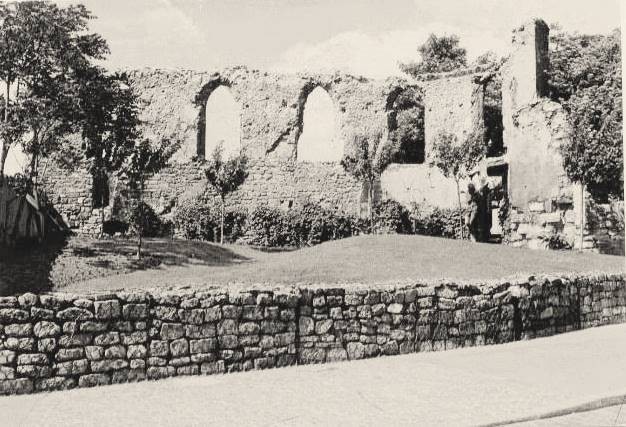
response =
{"points": [[456, 159], [144, 161], [406, 127], [585, 77], [579, 61], [109, 122], [43, 51], [225, 176], [439, 54], [366, 163]]}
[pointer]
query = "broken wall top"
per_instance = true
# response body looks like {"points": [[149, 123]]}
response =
{"points": [[271, 105]]}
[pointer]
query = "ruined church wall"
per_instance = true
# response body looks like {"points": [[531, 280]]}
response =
{"points": [[543, 200], [535, 164], [271, 106], [452, 104], [419, 184], [271, 122]]}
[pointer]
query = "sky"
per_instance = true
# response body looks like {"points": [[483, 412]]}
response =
{"points": [[362, 37], [366, 37]]}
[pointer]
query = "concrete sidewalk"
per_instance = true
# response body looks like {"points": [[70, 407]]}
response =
{"points": [[461, 387]]}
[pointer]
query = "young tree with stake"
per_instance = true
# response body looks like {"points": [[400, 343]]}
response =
{"points": [[367, 161], [144, 161], [456, 159], [225, 176]]}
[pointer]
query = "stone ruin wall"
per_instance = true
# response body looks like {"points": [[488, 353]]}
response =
{"points": [[453, 103], [172, 106], [544, 202], [60, 341]]}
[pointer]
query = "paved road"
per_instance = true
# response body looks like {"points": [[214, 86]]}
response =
{"points": [[609, 416], [461, 387]]}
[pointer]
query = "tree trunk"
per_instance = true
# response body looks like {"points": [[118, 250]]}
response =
{"points": [[3, 158], [582, 215], [370, 205], [34, 171], [101, 220], [5, 144], [140, 228], [458, 195], [222, 220]]}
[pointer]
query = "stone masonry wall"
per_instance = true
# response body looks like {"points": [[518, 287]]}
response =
{"points": [[272, 105], [545, 205], [452, 103], [60, 341]]}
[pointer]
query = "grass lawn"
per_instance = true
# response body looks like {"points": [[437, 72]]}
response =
{"points": [[92, 265]]}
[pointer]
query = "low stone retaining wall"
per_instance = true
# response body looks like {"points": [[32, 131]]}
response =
{"points": [[60, 341]]}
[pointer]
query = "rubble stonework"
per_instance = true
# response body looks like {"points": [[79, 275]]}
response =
{"points": [[172, 107], [453, 105], [545, 205], [60, 341]]}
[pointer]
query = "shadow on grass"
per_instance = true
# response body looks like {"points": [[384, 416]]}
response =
{"points": [[28, 268], [165, 251], [62, 261]]}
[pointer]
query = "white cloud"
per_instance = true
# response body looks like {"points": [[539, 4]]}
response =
{"points": [[354, 52], [377, 55]]}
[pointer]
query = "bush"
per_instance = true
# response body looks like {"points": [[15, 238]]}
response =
{"points": [[391, 217], [199, 219], [307, 225], [234, 225], [312, 224], [114, 226], [195, 220], [269, 227], [434, 221], [143, 217], [557, 242]]}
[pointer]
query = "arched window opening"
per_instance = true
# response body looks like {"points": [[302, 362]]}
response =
{"points": [[405, 125], [223, 123], [319, 141]]}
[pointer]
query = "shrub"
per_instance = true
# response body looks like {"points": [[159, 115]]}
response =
{"points": [[269, 227], [307, 225], [234, 224], [312, 224], [195, 220], [434, 221], [391, 217], [199, 219], [115, 226], [143, 217], [557, 242]]}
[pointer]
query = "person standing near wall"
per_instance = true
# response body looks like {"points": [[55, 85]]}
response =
{"points": [[484, 210], [472, 218]]}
